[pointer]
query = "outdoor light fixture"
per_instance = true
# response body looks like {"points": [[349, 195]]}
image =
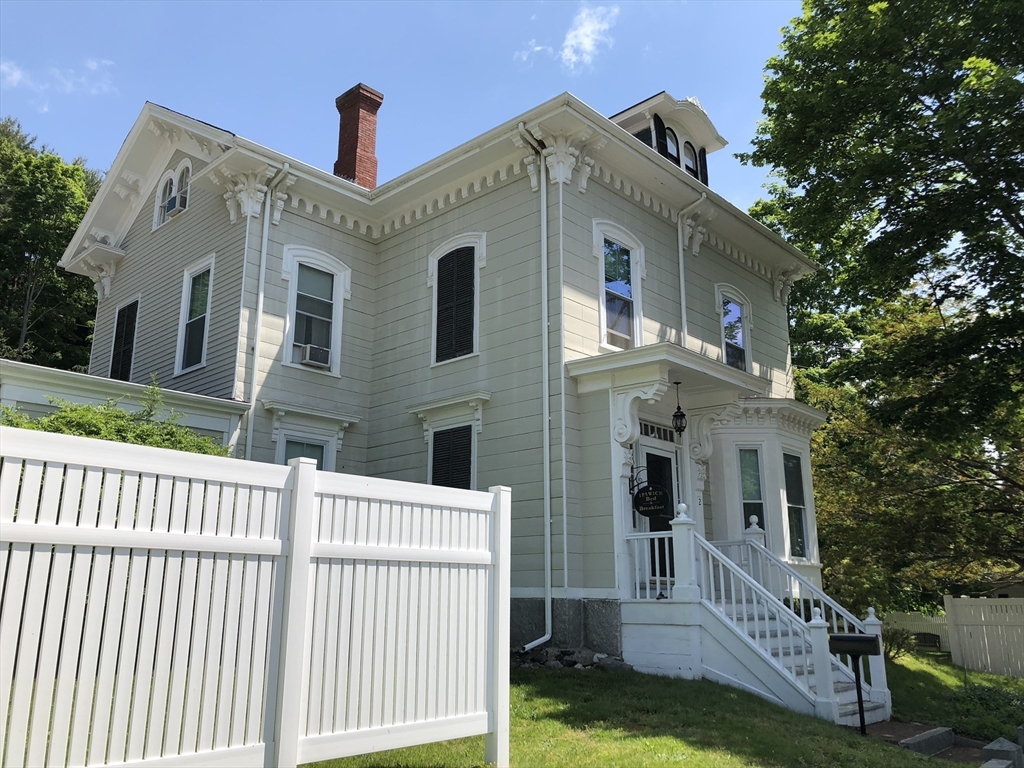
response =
{"points": [[678, 418]]}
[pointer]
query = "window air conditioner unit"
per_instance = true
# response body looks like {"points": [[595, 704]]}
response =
{"points": [[318, 357], [175, 205]]}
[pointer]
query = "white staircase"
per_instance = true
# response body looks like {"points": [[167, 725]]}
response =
{"points": [[763, 626]]}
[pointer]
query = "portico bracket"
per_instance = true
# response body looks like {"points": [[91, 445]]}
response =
{"points": [[626, 409]]}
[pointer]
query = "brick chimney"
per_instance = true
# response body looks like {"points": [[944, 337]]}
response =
{"points": [[357, 135]]}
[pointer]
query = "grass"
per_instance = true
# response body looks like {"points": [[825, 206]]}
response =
{"points": [[927, 688], [593, 718]]}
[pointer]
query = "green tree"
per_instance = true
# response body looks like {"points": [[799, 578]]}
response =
{"points": [[45, 313], [893, 132], [108, 421]]}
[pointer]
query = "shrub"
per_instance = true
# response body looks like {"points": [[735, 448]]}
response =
{"points": [[107, 421], [896, 642], [985, 712]]}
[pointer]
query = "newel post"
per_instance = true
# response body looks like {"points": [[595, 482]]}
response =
{"points": [[683, 557], [826, 705], [754, 535], [876, 664], [294, 646]]}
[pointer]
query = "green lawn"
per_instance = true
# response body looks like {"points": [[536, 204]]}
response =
{"points": [[927, 688], [592, 718]]}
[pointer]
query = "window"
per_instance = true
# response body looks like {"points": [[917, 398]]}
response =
{"points": [[622, 268], [453, 274], [671, 146], [795, 505], [690, 162], [644, 135], [451, 460], [750, 486], [735, 311], [194, 323], [123, 347], [298, 449], [173, 193], [314, 313], [318, 286]]}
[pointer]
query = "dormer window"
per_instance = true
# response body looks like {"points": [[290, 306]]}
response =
{"points": [[671, 146], [173, 193], [690, 160]]}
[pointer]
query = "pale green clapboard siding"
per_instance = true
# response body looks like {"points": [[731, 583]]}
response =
{"points": [[154, 267]]}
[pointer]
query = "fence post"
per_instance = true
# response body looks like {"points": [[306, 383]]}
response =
{"points": [[826, 706], [496, 742], [685, 588], [876, 664], [954, 631], [294, 654]]}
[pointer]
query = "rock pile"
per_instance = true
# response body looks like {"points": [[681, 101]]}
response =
{"points": [[562, 658]]}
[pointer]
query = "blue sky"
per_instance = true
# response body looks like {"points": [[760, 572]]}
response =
{"points": [[77, 74]]}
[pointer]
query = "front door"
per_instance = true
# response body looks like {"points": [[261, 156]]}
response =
{"points": [[661, 471]]}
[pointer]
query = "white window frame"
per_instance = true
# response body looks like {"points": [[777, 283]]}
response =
{"points": [[325, 437], [311, 257], [805, 480], [173, 174], [761, 450], [472, 453], [726, 291], [477, 241], [117, 310], [192, 270], [604, 228]]}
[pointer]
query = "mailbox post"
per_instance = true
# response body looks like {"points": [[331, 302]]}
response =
{"points": [[856, 646]]}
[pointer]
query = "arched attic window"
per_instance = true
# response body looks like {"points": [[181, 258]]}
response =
{"points": [[173, 193], [184, 180], [671, 146], [690, 162]]}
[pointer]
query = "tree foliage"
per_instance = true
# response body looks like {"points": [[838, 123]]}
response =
{"points": [[108, 421], [893, 131], [45, 313]]}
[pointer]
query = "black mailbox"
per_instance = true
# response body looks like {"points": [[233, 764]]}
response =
{"points": [[854, 645]]}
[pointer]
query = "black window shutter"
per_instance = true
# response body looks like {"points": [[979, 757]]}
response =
{"points": [[456, 299], [124, 342], [644, 136], [659, 135], [453, 457], [703, 157]]}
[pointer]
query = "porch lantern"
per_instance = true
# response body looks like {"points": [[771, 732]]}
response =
{"points": [[678, 418]]}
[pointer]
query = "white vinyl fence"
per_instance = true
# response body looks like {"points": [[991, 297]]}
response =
{"points": [[987, 634], [167, 609], [918, 623]]}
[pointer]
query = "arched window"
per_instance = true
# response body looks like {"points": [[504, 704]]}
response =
{"points": [[453, 274], [173, 193], [671, 146], [166, 196], [318, 284], [184, 178], [690, 160], [621, 258], [734, 309]]}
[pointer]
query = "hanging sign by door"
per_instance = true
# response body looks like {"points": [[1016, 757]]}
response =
{"points": [[652, 501]]}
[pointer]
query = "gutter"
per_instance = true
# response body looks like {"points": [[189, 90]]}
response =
{"points": [[545, 391], [268, 201]]}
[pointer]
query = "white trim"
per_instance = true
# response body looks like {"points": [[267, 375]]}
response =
{"points": [[299, 254], [172, 174], [191, 271], [110, 358], [725, 290], [327, 438], [477, 241], [441, 427], [604, 228]]}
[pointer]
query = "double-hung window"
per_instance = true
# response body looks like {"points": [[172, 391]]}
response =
{"points": [[453, 275], [314, 315], [304, 449], [796, 507], [622, 268], [124, 341], [751, 490], [451, 460], [318, 284], [735, 313], [194, 323]]}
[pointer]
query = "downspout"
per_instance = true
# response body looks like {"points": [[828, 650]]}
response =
{"points": [[545, 390], [682, 266], [561, 389], [268, 201]]}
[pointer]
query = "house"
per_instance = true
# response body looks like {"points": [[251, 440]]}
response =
{"points": [[562, 305]]}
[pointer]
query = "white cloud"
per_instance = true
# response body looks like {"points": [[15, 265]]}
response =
{"points": [[588, 33], [531, 50], [95, 79]]}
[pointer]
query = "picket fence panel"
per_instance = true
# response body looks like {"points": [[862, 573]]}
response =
{"points": [[168, 609], [987, 634]]}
